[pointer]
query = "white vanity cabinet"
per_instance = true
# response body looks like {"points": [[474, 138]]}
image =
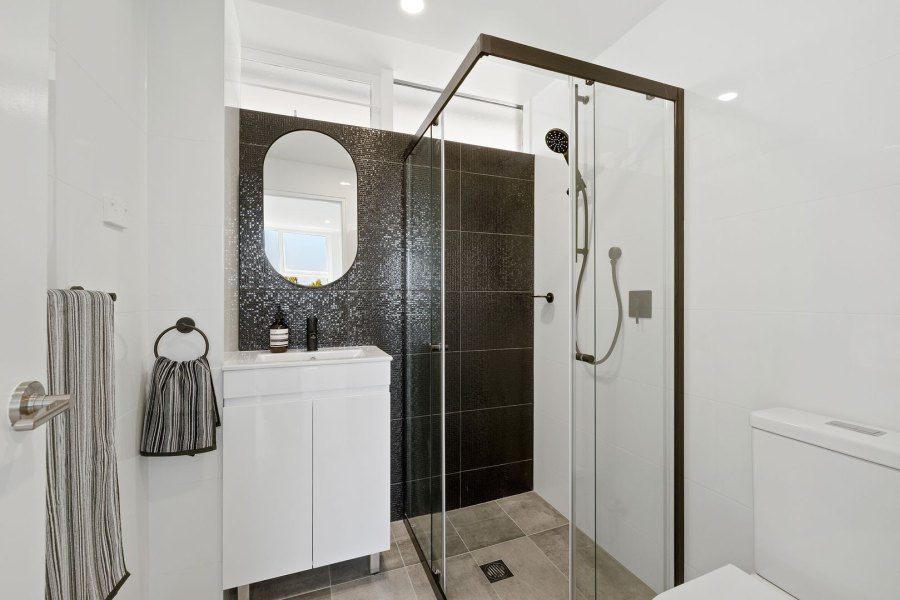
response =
{"points": [[306, 460]]}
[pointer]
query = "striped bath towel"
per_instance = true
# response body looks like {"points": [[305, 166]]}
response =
{"points": [[182, 414], [84, 555]]}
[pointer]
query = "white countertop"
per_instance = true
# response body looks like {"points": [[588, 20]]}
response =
{"points": [[263, 359]]}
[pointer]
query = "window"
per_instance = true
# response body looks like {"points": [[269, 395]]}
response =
{"points": [[305, 256], [290, 86]]}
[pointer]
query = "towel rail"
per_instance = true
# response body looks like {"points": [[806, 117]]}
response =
{"points": [[78, 287]]}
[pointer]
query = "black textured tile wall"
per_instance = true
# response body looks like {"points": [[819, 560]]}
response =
{"points": [[452, 200], [494, 262], [492, 161], [483, 485], [496, 436], [495, 378], [494, 320], [494, 255], [496, 204]]}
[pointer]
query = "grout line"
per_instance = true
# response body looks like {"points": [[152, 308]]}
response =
{"points": [[509, 516], [547, 558], [519, 235], [461, 172], [550, 528]]}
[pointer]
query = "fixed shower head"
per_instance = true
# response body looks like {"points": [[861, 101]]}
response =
{"points": [[615, 253], [558, 141]]}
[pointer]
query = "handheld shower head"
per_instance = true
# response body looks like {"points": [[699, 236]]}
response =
{"points": [[558, 141], [615, 253]]}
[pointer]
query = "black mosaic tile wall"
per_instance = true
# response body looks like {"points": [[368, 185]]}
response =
{"points": [[490, 241]]}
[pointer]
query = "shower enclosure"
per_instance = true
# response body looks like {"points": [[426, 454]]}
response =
{"points": [[608, 354]]}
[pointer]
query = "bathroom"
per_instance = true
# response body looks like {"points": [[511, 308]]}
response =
{"points": [[718, 181]]}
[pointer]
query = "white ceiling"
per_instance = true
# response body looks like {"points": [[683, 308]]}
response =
{"points": [[427, 48], [579, 28]]}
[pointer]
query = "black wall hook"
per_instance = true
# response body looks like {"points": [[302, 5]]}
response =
{"points": [[548, 297]]}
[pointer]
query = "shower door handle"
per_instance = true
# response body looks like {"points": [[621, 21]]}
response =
{"points": [[30, 406], [437, 347]]}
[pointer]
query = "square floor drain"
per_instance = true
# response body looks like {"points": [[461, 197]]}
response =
{"points": [[496, 571]]}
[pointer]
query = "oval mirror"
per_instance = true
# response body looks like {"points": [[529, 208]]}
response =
{"points": [[309, 208]]}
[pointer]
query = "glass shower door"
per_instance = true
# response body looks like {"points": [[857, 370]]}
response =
{"points": [[423, 425], [623, 378]]}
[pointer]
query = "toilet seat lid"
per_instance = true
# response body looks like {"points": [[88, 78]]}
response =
{"points": [[728, 582]]}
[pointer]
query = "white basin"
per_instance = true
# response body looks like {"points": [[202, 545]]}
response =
{"points": [[266, 359], [262, 376], [302, 356]]}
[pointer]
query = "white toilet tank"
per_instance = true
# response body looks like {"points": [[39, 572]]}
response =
{"points": [[826, 506]]}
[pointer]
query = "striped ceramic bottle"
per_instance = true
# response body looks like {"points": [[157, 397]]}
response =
{"points": [[279, 334]]}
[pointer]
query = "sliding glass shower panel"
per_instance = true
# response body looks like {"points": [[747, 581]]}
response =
{"points": [[625, 325], [423, 430]]}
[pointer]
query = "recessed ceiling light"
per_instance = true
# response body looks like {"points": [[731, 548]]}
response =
{"points": [[413, 7], [328, 221], [728, 96], [345, 183]]}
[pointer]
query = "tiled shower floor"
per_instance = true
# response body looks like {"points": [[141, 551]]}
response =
{"points": [[523, 531]]}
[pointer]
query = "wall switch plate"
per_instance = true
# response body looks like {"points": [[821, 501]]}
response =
{"points": [[115, 212]]}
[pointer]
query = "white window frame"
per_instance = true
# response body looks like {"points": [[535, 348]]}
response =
{"points": [[331, 237], [381, 82]]}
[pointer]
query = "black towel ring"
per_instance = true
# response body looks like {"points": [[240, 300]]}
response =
{"points": [[184, 325]]}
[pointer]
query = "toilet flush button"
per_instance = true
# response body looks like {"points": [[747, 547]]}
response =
{"points": [[857, 428]]}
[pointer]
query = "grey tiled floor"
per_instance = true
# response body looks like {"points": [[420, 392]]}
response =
{"points": [[524, 531]]}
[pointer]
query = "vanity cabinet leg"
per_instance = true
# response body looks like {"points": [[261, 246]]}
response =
{"points": [[374, 563], [244, 592]]}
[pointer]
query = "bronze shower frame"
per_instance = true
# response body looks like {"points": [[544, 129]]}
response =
{"points": [[488, 45]]}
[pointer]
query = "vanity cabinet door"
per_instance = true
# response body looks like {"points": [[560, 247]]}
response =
{"points": [[351, 476], [267, 497]]}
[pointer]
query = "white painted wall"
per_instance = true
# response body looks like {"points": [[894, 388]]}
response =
{"points": [[186, 172], [98, 152], [792, 229]]}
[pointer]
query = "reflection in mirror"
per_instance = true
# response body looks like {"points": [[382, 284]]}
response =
{"points": [[309, 203]]}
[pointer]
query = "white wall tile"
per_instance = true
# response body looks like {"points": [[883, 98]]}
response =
{"points": [[186, 520], [99, 151], [108, 39], [186, 124], [181, 190], [189, 583], [186, 66], [719, 531]]}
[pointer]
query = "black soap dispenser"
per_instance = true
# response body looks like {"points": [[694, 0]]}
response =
{"points": [[279, 334], [312, 333]]}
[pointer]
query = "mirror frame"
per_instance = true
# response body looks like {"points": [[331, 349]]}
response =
{"points": [[262, 239]]}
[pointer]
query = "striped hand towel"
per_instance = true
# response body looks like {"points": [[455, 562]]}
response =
{"points": [[84, 555], [182, 414]]}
